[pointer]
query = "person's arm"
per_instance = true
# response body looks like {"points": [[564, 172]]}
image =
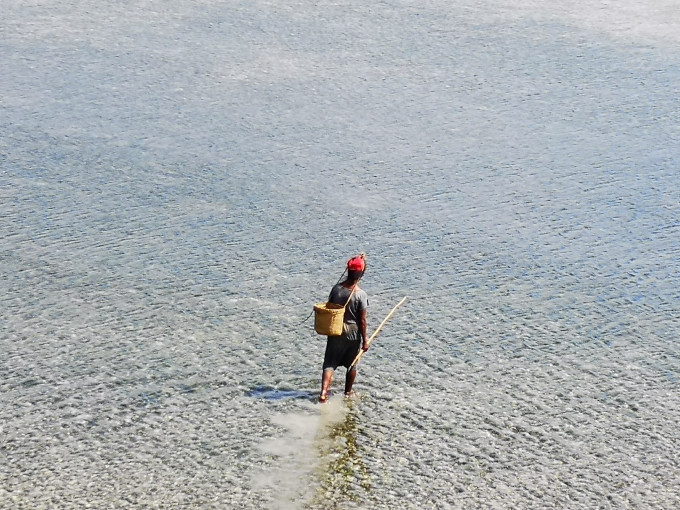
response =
{"points": [[362, 328]]}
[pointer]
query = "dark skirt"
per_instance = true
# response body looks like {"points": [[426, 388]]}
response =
{"points": [[341, 350]]}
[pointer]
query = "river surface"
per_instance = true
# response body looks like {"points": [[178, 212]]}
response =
{"points": [[180, 182]]}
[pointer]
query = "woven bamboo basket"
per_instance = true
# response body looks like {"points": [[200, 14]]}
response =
{"points": [[328, 318]]}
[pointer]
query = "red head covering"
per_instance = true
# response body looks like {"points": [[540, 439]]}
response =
{"points": [[356, 263]]}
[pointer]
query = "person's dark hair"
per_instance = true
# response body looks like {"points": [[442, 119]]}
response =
{"points": [[354, 276]]}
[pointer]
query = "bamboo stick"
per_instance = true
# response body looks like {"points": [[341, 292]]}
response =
{"points": [[370, 339]]}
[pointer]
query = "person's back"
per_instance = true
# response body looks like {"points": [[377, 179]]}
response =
{"points": [[340, 294]]}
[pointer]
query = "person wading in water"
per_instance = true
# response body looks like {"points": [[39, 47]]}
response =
{"points": [[341, 350]]}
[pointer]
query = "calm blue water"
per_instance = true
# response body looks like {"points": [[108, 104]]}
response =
{"points": [[180, 182]]}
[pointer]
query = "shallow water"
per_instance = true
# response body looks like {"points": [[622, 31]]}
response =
{"points": [[182, 181]]}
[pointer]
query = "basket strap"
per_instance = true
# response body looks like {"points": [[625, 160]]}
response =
{"points": [[354, 287]]}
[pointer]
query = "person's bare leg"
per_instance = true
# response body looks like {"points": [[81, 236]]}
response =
{"points": [[326, 380], [349, 380]]}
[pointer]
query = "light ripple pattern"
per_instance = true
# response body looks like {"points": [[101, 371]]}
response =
{"points": [[181, 181]]}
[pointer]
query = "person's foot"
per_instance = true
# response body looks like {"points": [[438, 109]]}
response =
{"points": [[349, 394], [323, 398]]}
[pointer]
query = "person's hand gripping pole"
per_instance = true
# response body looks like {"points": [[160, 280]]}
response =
{"points": [[368, 342]]}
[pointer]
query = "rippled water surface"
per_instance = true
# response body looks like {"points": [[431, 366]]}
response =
{"points": [[182, 180]]}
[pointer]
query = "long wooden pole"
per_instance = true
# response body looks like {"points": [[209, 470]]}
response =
{"points": [[370, 339]]}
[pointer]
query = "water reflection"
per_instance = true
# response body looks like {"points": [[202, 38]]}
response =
{"points": [[270, 393], [317, 460], [343, 474]]}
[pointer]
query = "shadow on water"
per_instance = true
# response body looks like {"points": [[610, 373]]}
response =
{"points": [[269, 393]]}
